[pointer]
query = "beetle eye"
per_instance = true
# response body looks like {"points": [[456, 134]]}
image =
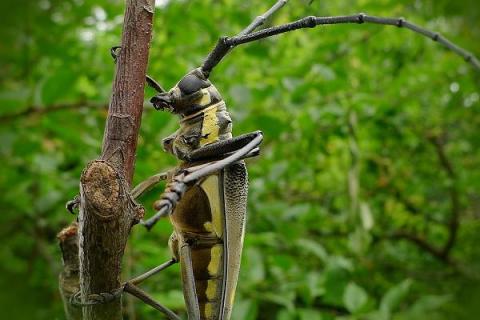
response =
{"points": [[192, 83]]}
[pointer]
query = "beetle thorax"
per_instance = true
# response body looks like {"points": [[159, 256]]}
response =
{"points": [[203, 120]]}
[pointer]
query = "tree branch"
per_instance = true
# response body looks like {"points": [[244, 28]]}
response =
{"points": [[441, 253], [422, 243], [68, 278], [38, 110], [126, 106], [107, 210], [454, 221]]}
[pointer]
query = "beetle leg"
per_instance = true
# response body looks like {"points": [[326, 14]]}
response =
{"points": [[181, 182], [151, 272], [73, 204], [142, 295], [147, 184], [237, 155], [193, 308], [222, 148], [173, 193]]}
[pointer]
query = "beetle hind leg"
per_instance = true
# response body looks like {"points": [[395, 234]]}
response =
{"points": [[189, 282]]}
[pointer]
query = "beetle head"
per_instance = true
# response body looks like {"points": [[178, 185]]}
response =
{"points": [[183, 98]]}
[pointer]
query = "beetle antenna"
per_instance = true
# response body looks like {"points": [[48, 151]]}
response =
{"points": [[260, 20], [257, 22], [154, 84], [225, 44], [114, 52]]}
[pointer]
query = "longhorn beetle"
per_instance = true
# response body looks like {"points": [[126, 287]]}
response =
{"points": [[206, 195]]}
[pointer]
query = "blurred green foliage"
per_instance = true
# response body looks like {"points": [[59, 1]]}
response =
{"points": [[368, 168]]}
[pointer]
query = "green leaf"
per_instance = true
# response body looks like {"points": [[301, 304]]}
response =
{"points": [[245, 309], [254, 263], [366, 216], [312, 247], [354, 297], [57, 86], [283, 299], [394, 296], [309, 314]]}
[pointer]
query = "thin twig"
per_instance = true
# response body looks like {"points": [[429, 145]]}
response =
{"points": [[441, 253], [38, 110], [453, 222], [421, 243]]}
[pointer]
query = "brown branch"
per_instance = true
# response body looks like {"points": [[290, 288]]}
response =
{"points": [[107, 210], [38, 110], [126, 106], [68, 278], [441, 253], [422, 243], [454, 221], [107, 213]]}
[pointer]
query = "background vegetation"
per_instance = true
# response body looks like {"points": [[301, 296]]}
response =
{"points": [[365, 203]]}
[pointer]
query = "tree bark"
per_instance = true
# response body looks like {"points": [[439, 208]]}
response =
{"points": [[107, 211], [69, 279], [126, 106]]}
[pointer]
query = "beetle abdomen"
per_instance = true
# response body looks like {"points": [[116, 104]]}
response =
{"points": [[211, 219], [199, 219], [208, 265]]}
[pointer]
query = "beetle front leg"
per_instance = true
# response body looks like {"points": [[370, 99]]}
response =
{"points": [[73, 204], [222, 148], [148, 184]]}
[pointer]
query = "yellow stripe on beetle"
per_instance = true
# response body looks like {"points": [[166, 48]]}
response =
{"points": [[206, 99], [210, 128], [210, 186], [211, 292], [214, 266]]}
